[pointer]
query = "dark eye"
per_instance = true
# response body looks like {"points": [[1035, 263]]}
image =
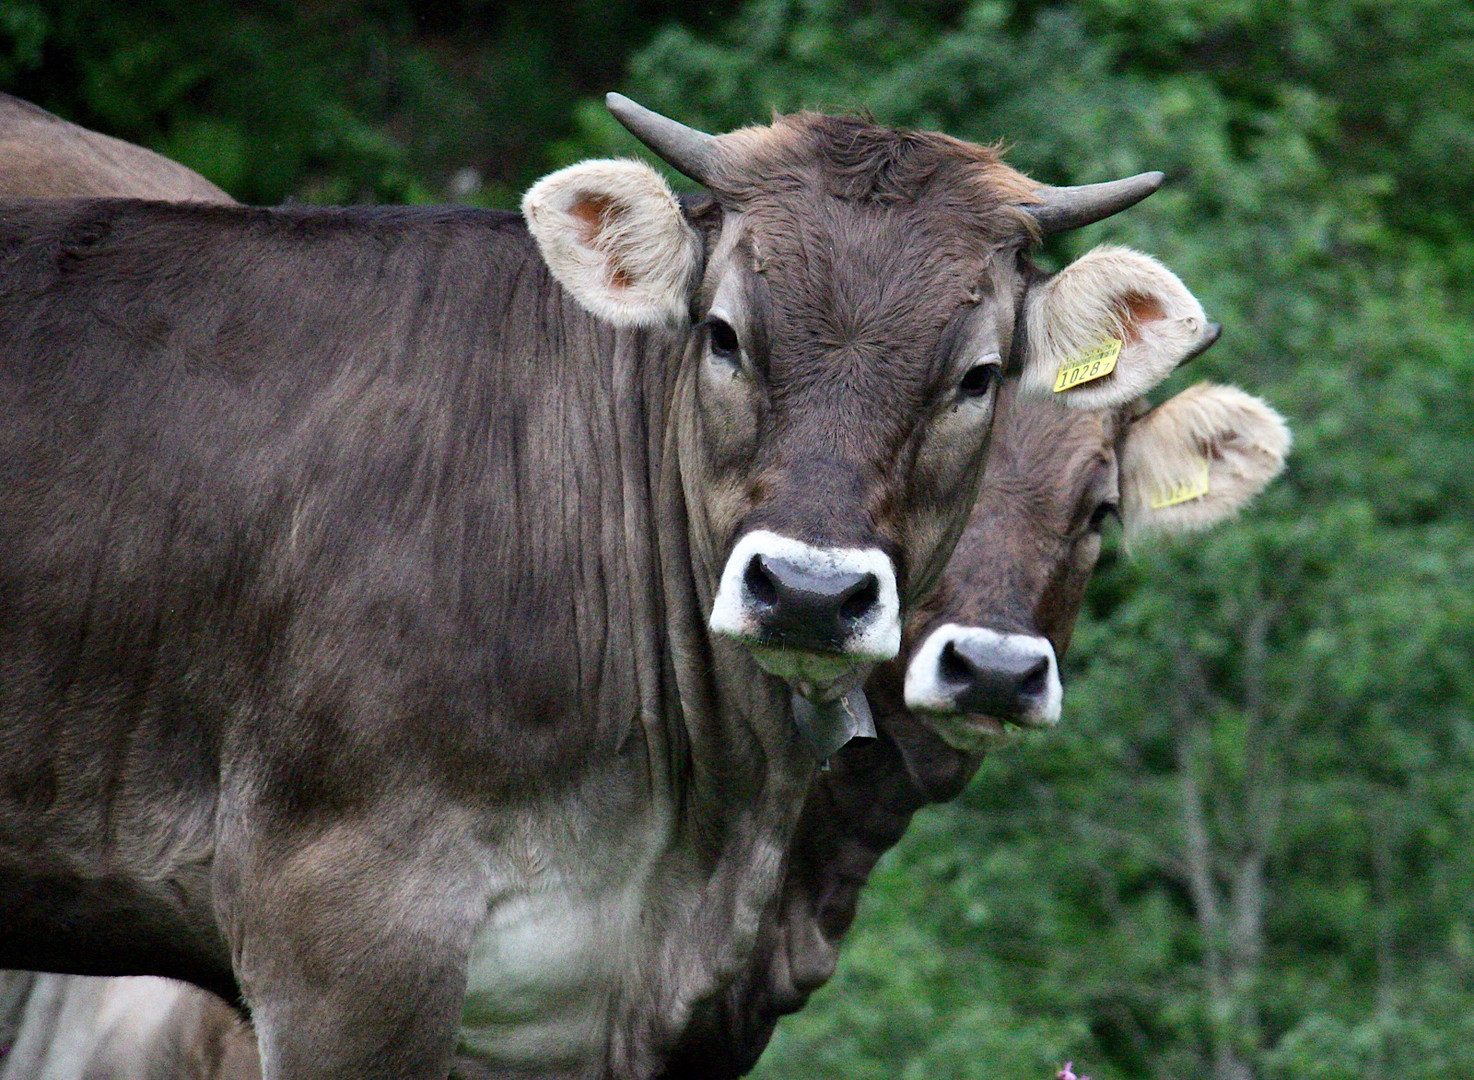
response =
{"points": [[723, 339], [978, 380], [1101, 513]]}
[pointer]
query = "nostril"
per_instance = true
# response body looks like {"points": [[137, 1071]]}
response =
{"points": [[861, 600], [1035, 682], [953, 667], [759, 584]]}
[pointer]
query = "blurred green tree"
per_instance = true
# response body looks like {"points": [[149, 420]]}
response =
{"points": [[336, 100]]}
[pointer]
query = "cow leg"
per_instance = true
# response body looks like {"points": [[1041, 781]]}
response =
{"points": [[352, 949]]}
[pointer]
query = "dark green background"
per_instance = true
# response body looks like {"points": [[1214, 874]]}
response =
{"points": [[1246, 852]]}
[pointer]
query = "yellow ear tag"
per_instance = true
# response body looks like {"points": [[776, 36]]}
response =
{"points": [[1181, 491], [1096, 362]]}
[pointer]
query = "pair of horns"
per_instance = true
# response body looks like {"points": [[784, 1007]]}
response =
{"points": [[696, 153]]}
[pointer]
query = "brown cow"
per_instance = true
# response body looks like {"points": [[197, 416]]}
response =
{"points": [[44, 155], [1014, 585], [483, 843]]}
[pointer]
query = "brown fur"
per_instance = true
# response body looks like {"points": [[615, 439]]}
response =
{"points": [[857, 245], [856, 160]]}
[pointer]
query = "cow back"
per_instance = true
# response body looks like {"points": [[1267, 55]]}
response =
{"points": [[44, 155]]}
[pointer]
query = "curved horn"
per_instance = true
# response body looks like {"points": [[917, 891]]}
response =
{"points": [[1071, 207], [692, 152]]}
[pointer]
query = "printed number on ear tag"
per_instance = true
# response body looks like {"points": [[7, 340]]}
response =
{"points": [[1193, 487], [1094, 363]]}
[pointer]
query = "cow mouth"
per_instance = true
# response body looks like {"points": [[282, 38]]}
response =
{"points": [[828, 702], [811, 672], [817, 677], [972, 734]]}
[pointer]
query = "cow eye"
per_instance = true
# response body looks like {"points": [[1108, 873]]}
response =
{"points": [[1108, 509], [723, 339], [979, 379]]}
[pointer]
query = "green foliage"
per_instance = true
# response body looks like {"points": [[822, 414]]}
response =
{"points": [[336, 101], [1244, 853]]}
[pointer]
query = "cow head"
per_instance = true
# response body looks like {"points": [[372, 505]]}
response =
{"points": [[852, 294], [987, 650]]}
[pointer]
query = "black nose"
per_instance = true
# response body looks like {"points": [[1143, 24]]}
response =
{"points": [[990, 681], [801, 609]]}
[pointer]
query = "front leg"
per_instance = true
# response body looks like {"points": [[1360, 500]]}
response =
{"points": [[351, 945]]}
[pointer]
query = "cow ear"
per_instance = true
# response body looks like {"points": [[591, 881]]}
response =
{"points": [[614, 236], [1197, 458], [1109, 327]]}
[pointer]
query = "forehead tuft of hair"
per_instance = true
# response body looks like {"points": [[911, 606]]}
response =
{"points": [[856, 160]]}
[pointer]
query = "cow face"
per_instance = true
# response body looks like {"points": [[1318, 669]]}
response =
{"points": [[851, 295], [987, 650], [844, 382]]}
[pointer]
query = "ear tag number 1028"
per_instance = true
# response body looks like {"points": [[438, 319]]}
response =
{"points": [[1096, 362]]}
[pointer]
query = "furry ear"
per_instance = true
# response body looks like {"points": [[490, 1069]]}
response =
{"points": [[1198, 458], [614, 236], [1111, 306]]}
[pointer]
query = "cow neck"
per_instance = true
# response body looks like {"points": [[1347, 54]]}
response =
{"points": [[721, 747], [722, 743], [614, 405]]}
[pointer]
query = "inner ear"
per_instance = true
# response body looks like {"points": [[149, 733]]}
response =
{"points": [[595, 215], [592, 213], [1136, 309]]}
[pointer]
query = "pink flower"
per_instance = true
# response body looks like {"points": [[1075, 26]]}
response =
{"points": [[1068, 1073]]}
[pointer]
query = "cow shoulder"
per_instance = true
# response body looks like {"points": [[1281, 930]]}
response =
{"points": [[613, 234], [1197, 458], [1120, 310]]}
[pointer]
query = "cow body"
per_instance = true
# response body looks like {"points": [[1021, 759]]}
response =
{"points": [[45, 156], [71, 1027], [248, 671], [362, 594]]}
